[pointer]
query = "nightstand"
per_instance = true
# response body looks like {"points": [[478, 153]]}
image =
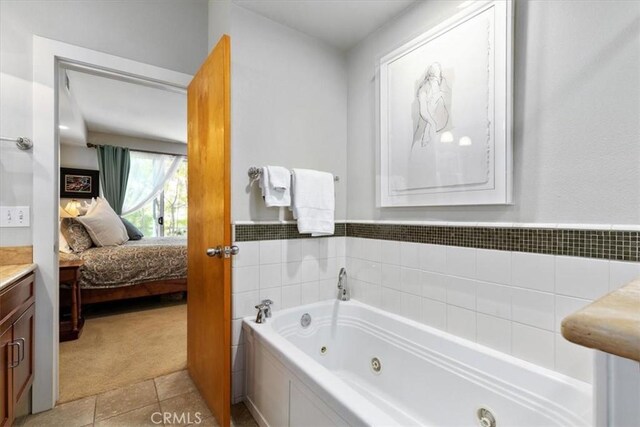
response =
{"points": [[69, 275]]}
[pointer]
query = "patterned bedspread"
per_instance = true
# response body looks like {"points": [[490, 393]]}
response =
{"points": [[146, 260]]}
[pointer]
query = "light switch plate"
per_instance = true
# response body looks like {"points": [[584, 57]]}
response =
{"points": [[15, 216]]}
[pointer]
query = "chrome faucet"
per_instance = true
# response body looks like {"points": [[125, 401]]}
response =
{"points": [[343, 289], [264, 311]]}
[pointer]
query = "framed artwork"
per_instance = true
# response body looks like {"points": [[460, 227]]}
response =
{"points": [[79, 183], [445, 105]]}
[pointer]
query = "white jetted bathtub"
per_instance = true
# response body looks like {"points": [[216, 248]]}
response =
{"points": [[358, 365]]}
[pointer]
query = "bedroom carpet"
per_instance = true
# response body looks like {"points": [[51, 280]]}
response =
{"points": [[122, 349]]}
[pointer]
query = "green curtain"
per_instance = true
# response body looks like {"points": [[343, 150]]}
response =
{"points": [[114, 164]]}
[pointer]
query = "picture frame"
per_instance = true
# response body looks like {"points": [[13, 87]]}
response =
{"points": [[79, 183], [445, 113]]}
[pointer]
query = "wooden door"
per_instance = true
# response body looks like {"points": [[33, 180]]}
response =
{"points": [[23, 329], [209, 278]]}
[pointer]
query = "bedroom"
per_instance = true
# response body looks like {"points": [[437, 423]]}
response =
{"points": [[123, 226]]}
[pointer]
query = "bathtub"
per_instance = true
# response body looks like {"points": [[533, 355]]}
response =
{"points": [[358, 365]]}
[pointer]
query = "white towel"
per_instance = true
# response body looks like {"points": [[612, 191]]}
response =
{"points": [[313, 201], [275, 182]]}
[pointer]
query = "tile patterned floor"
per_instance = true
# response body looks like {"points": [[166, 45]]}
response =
{"points": [[141, 404]]}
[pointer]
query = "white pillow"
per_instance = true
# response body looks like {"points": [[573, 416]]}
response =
{"points": [[104, 225]]}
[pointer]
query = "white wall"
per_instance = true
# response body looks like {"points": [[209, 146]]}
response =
{"points": [[164, 33], [289, 108], [576, 104]]}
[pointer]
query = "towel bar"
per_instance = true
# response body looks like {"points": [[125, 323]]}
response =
{"points": [[255, 172]]}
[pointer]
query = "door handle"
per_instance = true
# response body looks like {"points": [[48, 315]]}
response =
{"points": [[13, 363], [223, 252], [21, 348]]}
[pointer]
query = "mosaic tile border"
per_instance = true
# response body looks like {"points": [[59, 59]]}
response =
{"points": [[252, 232], [603, 244]]}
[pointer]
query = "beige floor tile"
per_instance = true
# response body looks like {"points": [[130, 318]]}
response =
{"points": [[186, 408], [73, 414], [208, 422], [125, 399], [174, 384], [140, 417], [241, 417]]}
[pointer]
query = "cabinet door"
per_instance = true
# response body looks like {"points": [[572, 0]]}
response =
{"points": [[5, 377], [23, 331]]}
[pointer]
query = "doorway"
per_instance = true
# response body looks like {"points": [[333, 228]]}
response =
{"points": [[50, 57]]}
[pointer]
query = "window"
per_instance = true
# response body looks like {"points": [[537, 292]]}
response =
{"points": [[166, 213]]}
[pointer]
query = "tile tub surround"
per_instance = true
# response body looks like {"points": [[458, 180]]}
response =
{"points": [[511, 301], [290, 272], [610, 324]]}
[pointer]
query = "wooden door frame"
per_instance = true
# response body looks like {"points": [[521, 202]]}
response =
{"points": [[49, 56]]}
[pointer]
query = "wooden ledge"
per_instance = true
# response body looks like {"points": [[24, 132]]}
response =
{"points": [[610, 324]]}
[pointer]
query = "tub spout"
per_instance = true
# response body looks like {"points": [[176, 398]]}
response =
{"points": [[343, 288]]}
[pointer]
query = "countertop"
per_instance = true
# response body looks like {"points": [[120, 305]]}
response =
{"points": [[610, 324], [11, 273]]}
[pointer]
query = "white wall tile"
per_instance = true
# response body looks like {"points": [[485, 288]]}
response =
{"points": [[341, 246], [391, 276], [390, 252], [371, 250], [310, 249], [244, 304], [391, 300], [237, 385], [236, 332], [433, 258], [461, 322], [411, 306], [292, 250], [328, 268], [533, 271], [291, 296], [582, 277], [461, 261], [410, 279], [274, 294], [327, 248], [270, 275], [291, 272], [493, 266], [245, 278], [328, 289], [621, 273], [249, 254], [410, 254], [310, 270], [270, 252], [461, 292], [237, 358], [309, 292], [533, 308], [573, 360], [494, 332], [533, 345], [564, 306], [493, 299], [434, 313], [434, 285], [373, 295], [370, 272]]}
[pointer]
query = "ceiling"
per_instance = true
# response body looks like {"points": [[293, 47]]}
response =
{"points": [[121, 107], [341, 23]]}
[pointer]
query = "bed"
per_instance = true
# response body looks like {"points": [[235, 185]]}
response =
{"points": [[150, 266]]}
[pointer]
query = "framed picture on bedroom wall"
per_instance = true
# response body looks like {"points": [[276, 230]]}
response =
{"points": [[445, 112], [79, 183]]}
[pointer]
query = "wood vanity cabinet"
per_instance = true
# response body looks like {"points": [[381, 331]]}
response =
{"points": [[17, 311]]}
